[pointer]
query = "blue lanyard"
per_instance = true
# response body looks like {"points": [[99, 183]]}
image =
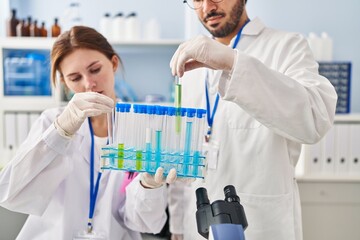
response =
{"points": [[93, 189], [210, 115]]}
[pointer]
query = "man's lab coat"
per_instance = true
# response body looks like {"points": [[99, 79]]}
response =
{"points": [[271, 103]]}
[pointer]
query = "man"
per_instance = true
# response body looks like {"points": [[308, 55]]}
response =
{"points": [[271, 101]]}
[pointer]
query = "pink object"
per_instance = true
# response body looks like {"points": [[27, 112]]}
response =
{"points": [[129, 176]]}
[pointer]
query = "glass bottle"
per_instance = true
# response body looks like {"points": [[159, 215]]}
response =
{"points": [[43, 31], [27, 27], [55, 29], [20, 28], [34, 29], [11, 24]]}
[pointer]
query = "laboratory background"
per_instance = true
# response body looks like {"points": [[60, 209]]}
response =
{"points": [[329, 171]]}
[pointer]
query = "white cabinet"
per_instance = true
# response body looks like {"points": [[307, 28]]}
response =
{"points": [[146, 67], [337, 155], [330, 209]]}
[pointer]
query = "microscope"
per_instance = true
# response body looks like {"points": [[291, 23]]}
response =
{"points": [[223, 219]]}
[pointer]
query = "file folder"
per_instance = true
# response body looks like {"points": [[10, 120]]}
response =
{"points": [[328, 164], [22, 127], [342, 150], [354, 163], [10, 131]]}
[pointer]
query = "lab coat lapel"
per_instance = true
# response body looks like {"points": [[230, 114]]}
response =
{"points": [[254, 27]]}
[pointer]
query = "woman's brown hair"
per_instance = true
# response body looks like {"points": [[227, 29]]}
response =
{"points": [[76, 38]]}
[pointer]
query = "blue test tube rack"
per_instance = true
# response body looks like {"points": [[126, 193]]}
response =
{"points": [[159, 145]]}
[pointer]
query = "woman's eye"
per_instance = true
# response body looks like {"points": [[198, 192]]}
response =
{"points": [[96, 70], [75, 79]]}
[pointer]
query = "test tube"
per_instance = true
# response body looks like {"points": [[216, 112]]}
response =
{"points": [[169, 140], [178, 104], [110, 128], [150, 111], [190, 114], [139, 134], [159, 116], [121, 124], [198, 139]]}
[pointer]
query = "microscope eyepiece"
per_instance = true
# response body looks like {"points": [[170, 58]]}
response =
{"points": [[201, 197], [230, 194]]}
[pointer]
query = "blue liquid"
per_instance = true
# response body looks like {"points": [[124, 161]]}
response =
{"points": [[187, 148], [157, 149], [148, 156], [196, 163]]}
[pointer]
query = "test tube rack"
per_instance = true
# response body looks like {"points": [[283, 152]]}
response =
{"points": [[128, 160], [146, 137]]}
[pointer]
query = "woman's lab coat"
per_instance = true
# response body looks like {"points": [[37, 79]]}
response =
{"points": [[49, 179], [272, 102]]}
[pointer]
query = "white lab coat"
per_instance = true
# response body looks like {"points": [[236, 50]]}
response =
{"points": [[272, 102], [49, 179]]}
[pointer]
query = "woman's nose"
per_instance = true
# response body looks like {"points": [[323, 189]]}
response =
{"points": [[90, 84]]}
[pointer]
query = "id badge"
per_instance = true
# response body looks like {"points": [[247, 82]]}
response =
{"points": [[212, 154], [84, 235]]}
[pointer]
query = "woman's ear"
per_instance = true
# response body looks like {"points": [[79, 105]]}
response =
{"points": [[115, 62]]}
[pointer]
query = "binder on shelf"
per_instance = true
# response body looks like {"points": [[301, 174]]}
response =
{"points": [[10, 131], [33, 116], [342, 152], [339, 74], [22, 127], [314, 158], [328, 163], [354, 163]]}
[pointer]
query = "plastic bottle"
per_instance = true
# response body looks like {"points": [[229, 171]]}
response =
{"points": [[55, 29], [327, 47], [132, 27], [106, 26], [315, 45], [118, 27], [43, 30], [152, 30], [11, 24], [71, 16]]}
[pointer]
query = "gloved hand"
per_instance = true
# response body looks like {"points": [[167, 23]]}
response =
{"points": [[81, 106], [177, 236], [157, 180], [202, 52]]}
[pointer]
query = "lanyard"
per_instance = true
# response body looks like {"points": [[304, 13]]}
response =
{"points": [[210, 115], [93, 189]]}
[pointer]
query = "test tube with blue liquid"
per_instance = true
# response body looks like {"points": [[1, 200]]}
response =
{"points": [[197, 140], [159, 116], [190, 115], [169, 141], [150, 111]]}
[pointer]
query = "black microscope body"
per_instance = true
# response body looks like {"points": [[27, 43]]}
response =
{"points": [[228, 211]]}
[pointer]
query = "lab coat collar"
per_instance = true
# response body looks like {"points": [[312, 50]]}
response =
{"points": [[254, 27]]}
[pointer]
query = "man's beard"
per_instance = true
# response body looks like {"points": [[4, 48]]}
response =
{"points": [[230, 26]]}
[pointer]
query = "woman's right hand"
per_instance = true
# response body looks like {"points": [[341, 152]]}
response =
{"points": [[81, 106]]}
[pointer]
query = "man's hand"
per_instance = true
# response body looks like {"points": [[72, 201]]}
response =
{"points": [[202, 52]]}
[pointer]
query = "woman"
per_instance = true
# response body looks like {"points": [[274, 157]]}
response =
{"points": [[55, 177]]}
